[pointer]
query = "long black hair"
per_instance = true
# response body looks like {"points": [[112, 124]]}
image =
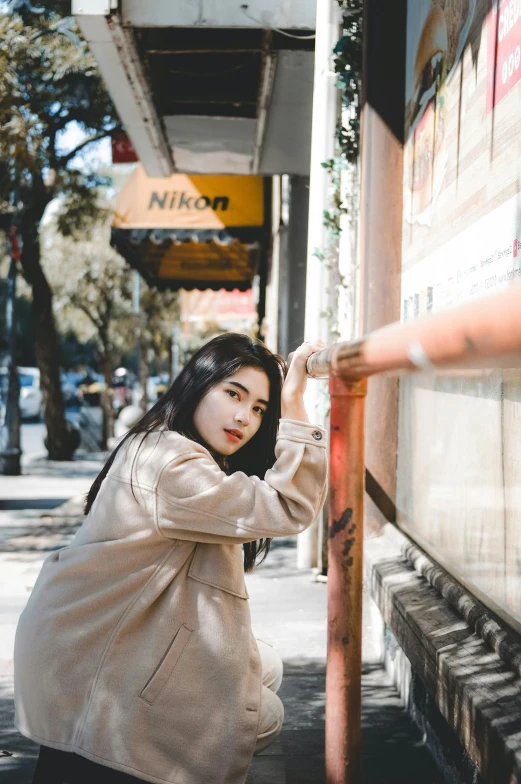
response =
{"points": [[216, 360]]}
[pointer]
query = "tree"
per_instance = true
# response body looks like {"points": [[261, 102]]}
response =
{"points": [[48, 80], [92, 287]]}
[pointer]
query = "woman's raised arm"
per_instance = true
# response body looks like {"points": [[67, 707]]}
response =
{"points": [[199, 502]]}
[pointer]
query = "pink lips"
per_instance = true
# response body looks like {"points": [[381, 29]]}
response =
{"points": [[234, 435]]}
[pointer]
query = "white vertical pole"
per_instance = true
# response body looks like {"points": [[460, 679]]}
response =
{"points": [[175, 352], [326, 102], [270, 326]]}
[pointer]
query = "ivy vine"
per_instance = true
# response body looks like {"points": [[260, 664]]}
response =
{"points": [[343, 201], [348, 66]]}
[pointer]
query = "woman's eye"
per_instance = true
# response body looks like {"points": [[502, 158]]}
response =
{"points": [[260, 411], [232, 393]]}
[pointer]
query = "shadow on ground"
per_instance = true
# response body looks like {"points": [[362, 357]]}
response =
{"points": [[83, 465], [11, 504], [392, 748]]}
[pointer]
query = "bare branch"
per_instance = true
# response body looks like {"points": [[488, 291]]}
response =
{"points": [[63, 160], [98, 323]]}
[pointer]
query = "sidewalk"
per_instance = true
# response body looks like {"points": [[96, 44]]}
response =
{"points": [[288, 611]]}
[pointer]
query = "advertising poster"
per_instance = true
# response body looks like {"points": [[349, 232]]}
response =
{"points": [[462, 157], [437, 31], [504, 50]]}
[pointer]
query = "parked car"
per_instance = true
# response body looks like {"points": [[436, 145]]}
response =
{"points": [[30, 400]]}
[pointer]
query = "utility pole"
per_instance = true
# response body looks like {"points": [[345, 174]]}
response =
{"points": [[175, 352], [10, 451]]}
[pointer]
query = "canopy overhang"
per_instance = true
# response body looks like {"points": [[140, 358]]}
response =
{"points": [[206, 87]]}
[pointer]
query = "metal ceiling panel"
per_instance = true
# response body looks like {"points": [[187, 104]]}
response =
{"points": [[287, 138], [286, 14], [212, 145], [223, 83]]}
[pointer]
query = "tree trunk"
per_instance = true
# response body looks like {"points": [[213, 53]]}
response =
{"points": [[62, 439], [10, 451]]}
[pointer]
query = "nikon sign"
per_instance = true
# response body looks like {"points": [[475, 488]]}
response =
{"points": [[185, 201], [175, 201]]}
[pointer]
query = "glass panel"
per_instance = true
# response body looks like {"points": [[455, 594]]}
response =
{"points": [[459, 478], [27, 381]]}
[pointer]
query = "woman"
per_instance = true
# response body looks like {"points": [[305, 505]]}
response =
{"points": [[134, 658]]}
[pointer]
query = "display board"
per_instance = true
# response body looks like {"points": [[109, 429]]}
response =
{"points": [[459, 461]]}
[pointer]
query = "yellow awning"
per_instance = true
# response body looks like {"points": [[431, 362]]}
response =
{"points": [[208, 261], [185, 201]]}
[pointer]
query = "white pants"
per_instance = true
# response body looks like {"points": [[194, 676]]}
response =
{"points": [[271, 708]]}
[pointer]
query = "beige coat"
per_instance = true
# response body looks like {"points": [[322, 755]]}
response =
{"points": [[135, 649]]}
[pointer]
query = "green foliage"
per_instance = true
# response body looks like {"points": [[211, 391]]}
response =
{"points": [[80, 209], [76, 353], [337, 206], [348, 66], [92, 284], [48, 79], [343, 186]]}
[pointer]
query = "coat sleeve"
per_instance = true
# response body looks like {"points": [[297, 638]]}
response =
{"points": [[196, 501]]}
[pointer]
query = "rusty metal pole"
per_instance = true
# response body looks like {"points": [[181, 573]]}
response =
{"points": [[344, 640]]}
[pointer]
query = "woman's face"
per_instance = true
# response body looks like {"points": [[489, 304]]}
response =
{"points": [[231, 413]]}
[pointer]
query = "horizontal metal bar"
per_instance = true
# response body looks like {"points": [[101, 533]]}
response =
{"points": [[197, 51], [485, 333]]}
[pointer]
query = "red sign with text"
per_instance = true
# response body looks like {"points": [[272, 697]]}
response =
{"points": [[504, 49], [122, 149]]}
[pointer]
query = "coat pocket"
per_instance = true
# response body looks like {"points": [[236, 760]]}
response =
{"points": [[158, 680], [220, 566]]}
